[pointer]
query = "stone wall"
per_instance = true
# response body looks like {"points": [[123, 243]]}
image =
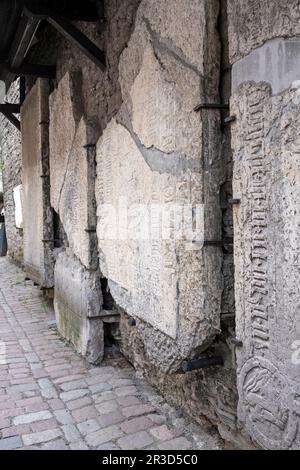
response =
{"points": [[265, 53], [128, 139], [82, 101], [131, 133], [154, 149], [11, 161], [158, 151]]}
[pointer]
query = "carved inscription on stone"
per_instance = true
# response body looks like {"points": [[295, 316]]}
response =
{"points": [[38, 229], [151, 158], [252, 22], [266, 178]]}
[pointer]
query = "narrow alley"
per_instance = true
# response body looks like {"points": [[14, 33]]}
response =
{"points": [[51, 398]]}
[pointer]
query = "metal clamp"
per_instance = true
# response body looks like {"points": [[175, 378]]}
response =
{"points": [[234, 202], [212, 243], [201, 106], [237, 342], [229, 119]]}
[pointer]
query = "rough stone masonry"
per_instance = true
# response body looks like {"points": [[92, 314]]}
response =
{"points": [[97, 142]]}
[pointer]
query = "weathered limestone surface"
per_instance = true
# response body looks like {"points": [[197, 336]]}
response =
{"points": [[38, 224], [66, 109], [11, 159], [152, 154], [72, 165], [267, 245], [78, 303], [253, 22], [78, 299]]}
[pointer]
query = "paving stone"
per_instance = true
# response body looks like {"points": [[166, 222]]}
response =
{"points": [[101, 387], [34, 407], [32, 357], [11, 443], [103, 370], [71, 433], [104, 435], [39, 437], [76, 384], [58, 444], [68, 378], [35, 366], [124, 391], [73, 394], [105, 396], [31, 417], [97, 379], [105, 401], [43, 425], [63, 416], [110, 419], [108, 446], [107, 406], [117, 383], [180, 443], [129, 401], [56, 404], [137, 410], [137, 440], [85, 413], [29, 401], [136, 424], [78, 446], [16, 430], [89, 426], [4, 423], [24, 387], [162, 433], [47, 389], [80, 403]]}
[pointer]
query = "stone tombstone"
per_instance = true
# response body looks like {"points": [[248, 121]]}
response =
{"points": [[37, 215], [78, 304], [266, 145], [72, 168], [156, 154], [78, 298]]}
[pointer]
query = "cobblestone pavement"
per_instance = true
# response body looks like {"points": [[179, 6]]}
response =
{"points": [[50, 398]]}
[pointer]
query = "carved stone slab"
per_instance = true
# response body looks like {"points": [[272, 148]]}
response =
{"points": [[73, 167], [78, 304], [38, 228], [151, 155], [266, 147]]}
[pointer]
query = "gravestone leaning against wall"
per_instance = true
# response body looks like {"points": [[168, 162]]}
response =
{"points": [[38, 223], [157, 152], [266, 99]]}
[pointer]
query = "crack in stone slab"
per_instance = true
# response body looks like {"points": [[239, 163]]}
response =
{"points": [[173, 163], [167, 47]]}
